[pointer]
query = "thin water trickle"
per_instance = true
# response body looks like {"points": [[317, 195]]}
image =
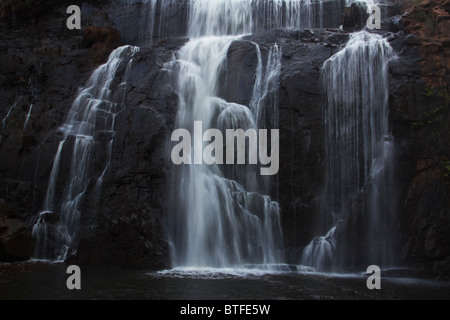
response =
{"points": [[27, 119], [5, 120]]}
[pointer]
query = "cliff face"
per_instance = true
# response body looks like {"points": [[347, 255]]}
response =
{"points": [[421, 109], [43, 65], [430, 22]]}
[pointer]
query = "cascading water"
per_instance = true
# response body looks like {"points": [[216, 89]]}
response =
{"points": [[88, 132], [162, 19], [220, 216], [321, 252], [359, 151], [234, 17]]}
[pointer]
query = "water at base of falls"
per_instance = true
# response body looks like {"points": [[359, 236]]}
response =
{"points": [[89, 128], [98, 283]]}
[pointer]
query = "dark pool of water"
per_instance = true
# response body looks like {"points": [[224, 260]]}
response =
{"points": [[42, 281]]}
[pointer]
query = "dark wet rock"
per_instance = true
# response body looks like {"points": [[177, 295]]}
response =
{"points": [[240, 72], [355, 17]]}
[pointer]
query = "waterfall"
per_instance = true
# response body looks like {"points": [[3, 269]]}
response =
{"points": [[359, 151], [88, 130], [348, 3], [221, 216], [232, 17], [294, 14], [165, 19]]}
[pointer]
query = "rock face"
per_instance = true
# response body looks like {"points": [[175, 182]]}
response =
{"points": [[420, 100], [430, 22], [43, 66]]}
